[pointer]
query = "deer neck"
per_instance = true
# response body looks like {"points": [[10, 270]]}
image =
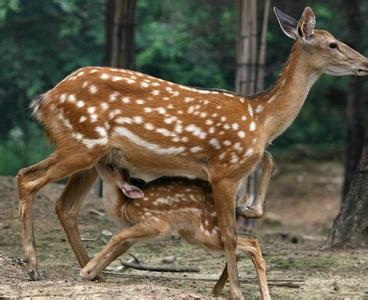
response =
{"points": [[285, 99]]}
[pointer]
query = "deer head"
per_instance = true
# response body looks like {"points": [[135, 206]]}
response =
{"points": [[325, 53]]}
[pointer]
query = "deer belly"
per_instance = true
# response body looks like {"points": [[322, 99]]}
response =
{"points": [[148, 164]]}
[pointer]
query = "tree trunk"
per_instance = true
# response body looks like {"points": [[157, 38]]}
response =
{"points": [[355, 107], [251, 53], [120, 38], [351, 225]]}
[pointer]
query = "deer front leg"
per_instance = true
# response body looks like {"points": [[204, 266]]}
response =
{"points": [[117, 245], [224, 198], [256, 210], [67, 208]]}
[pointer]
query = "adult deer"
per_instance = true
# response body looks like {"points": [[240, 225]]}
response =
{"points": [[170, 205], [168, 129]]}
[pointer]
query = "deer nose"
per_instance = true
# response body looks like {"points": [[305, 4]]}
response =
{"points": [[363, 68]]}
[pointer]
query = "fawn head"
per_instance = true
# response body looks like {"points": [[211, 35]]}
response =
{"points": [[326, 54], [119, 177]]}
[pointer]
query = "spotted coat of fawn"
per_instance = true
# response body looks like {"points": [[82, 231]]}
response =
{"points": [[179, 206], [167, 129]]}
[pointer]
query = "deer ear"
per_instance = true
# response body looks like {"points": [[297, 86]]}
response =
{"points": [[131, 191], [306, 24], [288, 24]]}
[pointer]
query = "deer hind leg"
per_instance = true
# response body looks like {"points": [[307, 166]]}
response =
{"points": [[32, 179], [67, 208], [224, 198], [117, 245], [256, 210]]}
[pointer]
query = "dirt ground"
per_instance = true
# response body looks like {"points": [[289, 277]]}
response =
{"points": [[302, 202]]}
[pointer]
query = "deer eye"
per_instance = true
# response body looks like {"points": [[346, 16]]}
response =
{"points": [[333, 45]]}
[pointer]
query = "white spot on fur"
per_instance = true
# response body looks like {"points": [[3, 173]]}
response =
{"points": [[138, 119], [249, 152], [195, 149], [250, 110], [252, 126], [82, 119], [80, 103], [125, 100], [149, 126], [241, 134], [104, 105], [259, 108], [123, 120], [72, 98], [92, 89], [215, 143], [235, 126], [93, 118]]}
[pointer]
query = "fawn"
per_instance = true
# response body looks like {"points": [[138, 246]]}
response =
{"points": [[167, 129], [169, 205]]}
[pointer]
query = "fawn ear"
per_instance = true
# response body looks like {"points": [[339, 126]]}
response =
{"points": [[131, 191], [288, 24], [306, 24]]}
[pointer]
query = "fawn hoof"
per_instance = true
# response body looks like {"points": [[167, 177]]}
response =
{"points": [[34, 275], [32, 271]]}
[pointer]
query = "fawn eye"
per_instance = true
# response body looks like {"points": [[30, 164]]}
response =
{"points": [[333, 45]]}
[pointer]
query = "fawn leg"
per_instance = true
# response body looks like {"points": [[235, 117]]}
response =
{"points": [[67, 208], [32, 179], [117, 245], [256, 210], [224, 198], [253, 250], [220, 284]]}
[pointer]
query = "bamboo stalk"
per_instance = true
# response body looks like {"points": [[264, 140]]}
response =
{"points": [[262, 48]]}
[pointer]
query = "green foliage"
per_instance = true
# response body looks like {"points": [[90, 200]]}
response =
{"points": [[18, 151]]}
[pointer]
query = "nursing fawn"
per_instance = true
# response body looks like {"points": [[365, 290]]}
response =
{"points": [[170, 205], [167, 129]]}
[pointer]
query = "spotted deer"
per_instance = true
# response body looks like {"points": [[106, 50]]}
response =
{"points": [[168, 129], [170, 205]]}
